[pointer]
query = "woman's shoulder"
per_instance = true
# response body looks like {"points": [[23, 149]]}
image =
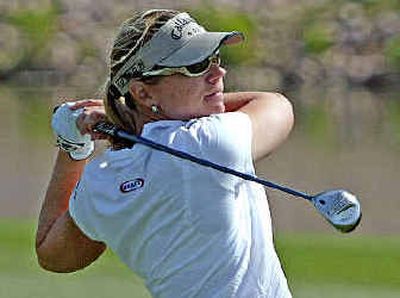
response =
{"points": [[220, 119], [199, 129], [223, 136], [223, 123]]}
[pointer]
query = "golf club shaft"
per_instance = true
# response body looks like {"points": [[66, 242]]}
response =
{"points": [[118, 133]]}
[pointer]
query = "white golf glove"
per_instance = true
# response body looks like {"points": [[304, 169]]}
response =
{"points": [[69, 138]]}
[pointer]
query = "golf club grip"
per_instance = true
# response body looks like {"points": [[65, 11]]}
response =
{"points": [[111, 130]]}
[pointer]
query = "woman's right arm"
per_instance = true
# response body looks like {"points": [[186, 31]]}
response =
{"points": [[271, 117]]}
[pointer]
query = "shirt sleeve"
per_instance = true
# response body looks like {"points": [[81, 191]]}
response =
{"points": [[225, 139]]}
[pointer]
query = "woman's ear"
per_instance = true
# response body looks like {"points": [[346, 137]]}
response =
{"points": [[139, 92]]}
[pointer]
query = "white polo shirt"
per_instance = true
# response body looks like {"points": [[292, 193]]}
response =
{"points": [[187, 230]]}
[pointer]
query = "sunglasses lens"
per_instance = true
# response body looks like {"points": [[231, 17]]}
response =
{"points": [[204, 65], [196, 69], [199, 67]]}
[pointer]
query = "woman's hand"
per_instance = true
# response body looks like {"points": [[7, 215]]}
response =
{"points": [[92, 113]]}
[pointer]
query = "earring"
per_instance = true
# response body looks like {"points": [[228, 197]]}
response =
{"points": [[154, 109]]}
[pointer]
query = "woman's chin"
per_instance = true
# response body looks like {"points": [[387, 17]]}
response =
{"points": [[215, 103]]}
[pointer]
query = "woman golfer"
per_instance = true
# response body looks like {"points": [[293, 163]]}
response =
{"points": [[187, 230]]}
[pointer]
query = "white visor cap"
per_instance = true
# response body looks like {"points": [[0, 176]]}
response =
{"points": [[179, 42]]}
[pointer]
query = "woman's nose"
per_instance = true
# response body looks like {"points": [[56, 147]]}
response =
{"points": [[215, 73]]}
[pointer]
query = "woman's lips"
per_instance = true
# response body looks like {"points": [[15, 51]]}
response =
{"points": [[216, 96]]}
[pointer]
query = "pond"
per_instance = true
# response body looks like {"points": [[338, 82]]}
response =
{"points": [[342, 139]]}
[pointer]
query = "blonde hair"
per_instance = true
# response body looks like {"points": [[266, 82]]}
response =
{"points": [[132, 35]]}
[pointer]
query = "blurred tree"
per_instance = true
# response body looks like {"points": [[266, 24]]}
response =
{"points": [[37, 28], [318, 38], [392, 52], [226, 19], [11, 48]]}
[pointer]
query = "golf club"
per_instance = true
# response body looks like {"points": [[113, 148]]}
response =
{"points": [[339, 207]]}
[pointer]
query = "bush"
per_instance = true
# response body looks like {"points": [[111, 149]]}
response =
{"points": [[38, 27], [317, 38], [392, 52], [229, 20]]}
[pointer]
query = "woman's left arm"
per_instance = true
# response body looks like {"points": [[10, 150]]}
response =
{"points": [[60, 244]]}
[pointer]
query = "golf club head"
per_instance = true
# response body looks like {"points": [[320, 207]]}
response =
{"points": [[340, 208]]}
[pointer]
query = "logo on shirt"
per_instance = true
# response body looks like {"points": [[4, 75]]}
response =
{"points": [[132, 185]]}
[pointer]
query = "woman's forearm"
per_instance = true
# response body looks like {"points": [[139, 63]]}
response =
{"points": [[65, 175], [236, 100], [60, 244], [271, 116]]}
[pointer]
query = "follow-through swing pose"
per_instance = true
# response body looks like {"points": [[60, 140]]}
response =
{"points": [[188, 231]]}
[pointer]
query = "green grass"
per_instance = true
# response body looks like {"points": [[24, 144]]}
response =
{"points": [[316, 265], [341, 265]]}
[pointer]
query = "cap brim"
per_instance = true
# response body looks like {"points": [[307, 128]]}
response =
{"points": [[200, 47]]}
